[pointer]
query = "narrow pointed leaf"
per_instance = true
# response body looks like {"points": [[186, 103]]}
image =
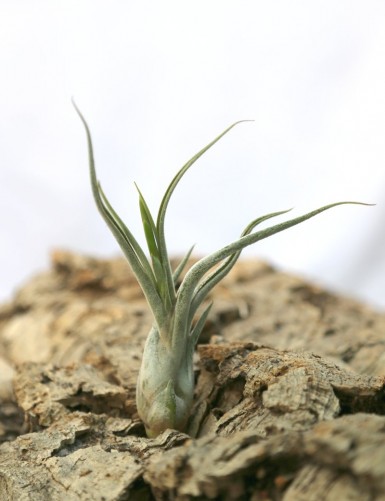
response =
{"points": [[126, 240], [204, 265], [217, 275], [127, 235], [148, 225], [181, 266], [161, 282], [166, 198], [180, 174], [196, 332], [195, 274], [159, 263]]}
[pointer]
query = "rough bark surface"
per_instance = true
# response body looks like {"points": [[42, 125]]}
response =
{"points": [[289, 402]]}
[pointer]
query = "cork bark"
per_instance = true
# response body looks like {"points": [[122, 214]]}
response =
{"points": [[289, 401]]}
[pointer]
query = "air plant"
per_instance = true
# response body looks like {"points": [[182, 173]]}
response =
{"points": [[165, 384]]}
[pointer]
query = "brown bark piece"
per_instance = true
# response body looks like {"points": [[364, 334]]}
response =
{"points": [[246, 386], [81, 456], [289, 401], [329, 462], [46, 394], [288, 313]]}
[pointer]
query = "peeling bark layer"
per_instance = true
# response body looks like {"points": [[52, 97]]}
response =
{"points": [[289, 401]]}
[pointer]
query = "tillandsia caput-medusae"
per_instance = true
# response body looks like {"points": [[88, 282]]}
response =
{"points": [[165, 384]]}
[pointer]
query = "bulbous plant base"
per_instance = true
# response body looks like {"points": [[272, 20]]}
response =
{"points": [[165, 388]]}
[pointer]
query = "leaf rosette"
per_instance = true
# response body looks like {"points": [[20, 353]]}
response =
{"points": [[165, 385]]}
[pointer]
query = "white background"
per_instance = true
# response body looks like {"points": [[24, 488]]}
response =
{"points": [[157, 80]]}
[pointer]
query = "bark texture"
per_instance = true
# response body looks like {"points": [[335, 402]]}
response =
{"points": [[289, 401]]}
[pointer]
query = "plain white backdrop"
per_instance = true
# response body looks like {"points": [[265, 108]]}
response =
{"points": [[157, 80]]}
